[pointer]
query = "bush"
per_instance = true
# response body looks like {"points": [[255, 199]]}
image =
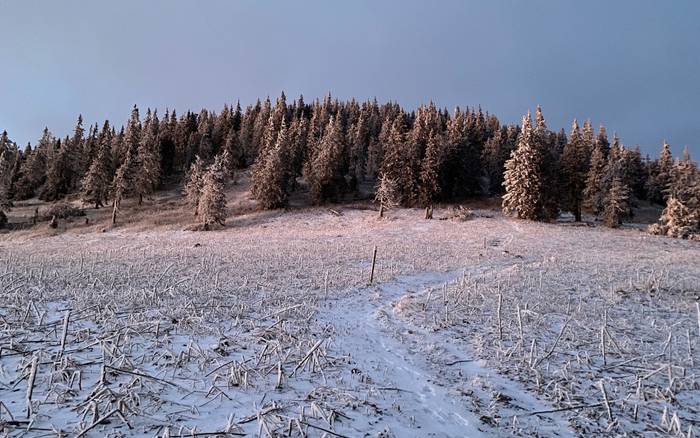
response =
{"points": [[62, 210], [460, 214]]}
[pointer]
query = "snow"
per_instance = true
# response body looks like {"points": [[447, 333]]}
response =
{"points": [[193, 329]]}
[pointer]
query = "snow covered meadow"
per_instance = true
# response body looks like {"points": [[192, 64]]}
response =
{"points": [[269, 327]]}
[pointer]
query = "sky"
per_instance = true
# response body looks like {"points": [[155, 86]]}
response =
{"points": [[633, 65]]}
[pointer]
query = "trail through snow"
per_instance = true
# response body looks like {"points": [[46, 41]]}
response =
{"points": [[424, 379]]}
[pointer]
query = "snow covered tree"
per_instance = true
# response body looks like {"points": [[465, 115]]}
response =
{"points": [[273, 172], [545, 142], [124, 182], [96, 184], [325, 177], [193, 186], [616, 204], [522, 179], [596, 187], [387, 194], [436, 153], [58, 174], [212, 204], [575, 163], [659, 178], [7, 160], [148, 170], [678, 220]]}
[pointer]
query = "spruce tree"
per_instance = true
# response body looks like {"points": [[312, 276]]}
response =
{"points": [[660, 176], [6, 164], [522, 178], [124, 182], [325, 177], [545, 143], [274, 173], [193, 186], [58, 174], [432, 169], [149, 166], [212, 204], [397, 161], [96, 184], [616, 204], [596, 187], [387, 194], [678, 220], [575, 163]]}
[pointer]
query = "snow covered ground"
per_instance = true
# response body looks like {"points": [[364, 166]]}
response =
{"points": [[484, 327]]}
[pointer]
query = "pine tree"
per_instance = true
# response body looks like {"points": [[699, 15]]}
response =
{"points": [[616, 205], [95, 185], [212, 204], [523, 179], [193, 187]]}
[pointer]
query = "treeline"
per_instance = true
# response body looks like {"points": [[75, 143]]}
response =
{"points": [[414, 158]]}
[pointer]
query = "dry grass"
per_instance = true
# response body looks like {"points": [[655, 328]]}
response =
{"points": [[154, 330]]}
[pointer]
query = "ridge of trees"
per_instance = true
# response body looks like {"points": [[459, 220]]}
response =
{"points": [[415, 158]]}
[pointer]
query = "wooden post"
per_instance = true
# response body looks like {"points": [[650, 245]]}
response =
{"points": [[114, 212], [374, 262]]}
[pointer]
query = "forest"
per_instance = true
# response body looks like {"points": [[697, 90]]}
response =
{"points": [[409, 158]]}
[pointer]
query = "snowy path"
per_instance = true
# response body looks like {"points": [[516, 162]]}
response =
{"points": [[422, 379]]}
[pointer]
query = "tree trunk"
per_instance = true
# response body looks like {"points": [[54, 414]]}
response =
{"points": [[381, 210]]}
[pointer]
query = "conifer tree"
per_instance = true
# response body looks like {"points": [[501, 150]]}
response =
{"points": [[387, 194], [596, 187], [436, 154], [274, 173], [616, 204], [545, 143], [6, 165], [397, 161], [58, 174], [659, 181], [522, 178], [325, 177], [212, 204], [193, 186], [678, 220], [149, 167], [96, 184], [575, 163], [123, 184]]}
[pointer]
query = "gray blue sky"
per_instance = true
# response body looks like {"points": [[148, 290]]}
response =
{"points": [[632, 64]]}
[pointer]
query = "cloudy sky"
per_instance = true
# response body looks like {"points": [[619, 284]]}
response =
{"points": [[633, 65]]}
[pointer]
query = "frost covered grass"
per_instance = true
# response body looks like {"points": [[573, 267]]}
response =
{"points": [[485, 326]]}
